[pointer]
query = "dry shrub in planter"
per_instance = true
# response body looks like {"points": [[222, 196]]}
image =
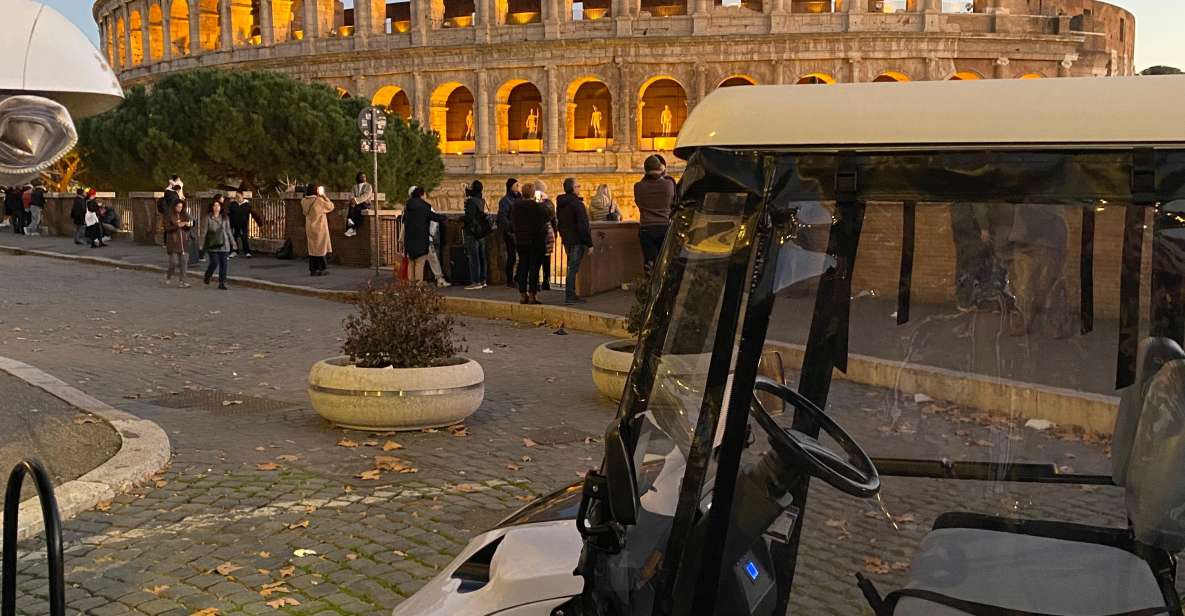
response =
{"points": [[401, 325]]}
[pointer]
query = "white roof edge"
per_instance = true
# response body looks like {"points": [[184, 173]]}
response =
{"points": [[1004, 112]]}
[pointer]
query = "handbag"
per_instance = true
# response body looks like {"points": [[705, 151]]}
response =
{"points": [[213, 240], [91, 218]]}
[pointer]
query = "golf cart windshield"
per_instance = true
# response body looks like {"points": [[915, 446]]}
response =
{"points": [[981, 313]]}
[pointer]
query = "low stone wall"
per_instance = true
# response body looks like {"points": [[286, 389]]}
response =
{"points": [[348, 251]]}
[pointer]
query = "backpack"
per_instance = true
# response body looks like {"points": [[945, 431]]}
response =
{"points": [[285, 251], [478, 226], [161, 206]]}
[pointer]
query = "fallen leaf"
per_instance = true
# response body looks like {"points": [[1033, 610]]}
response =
{"points": [[288, 458], [528, 442], [227, 568], [391, 446], [282, 602], [351, 556], [348, 489], [371, 475], [261, 448], [873, 564], [513, 467], [210, 611], [267, 466], [899, 566], [525, 458], [286, 572], [157, 590], [268, 589], [371, 443], [458, 430], [263, 571], [526, 498], [588, 440], [399, 553], [301, 553], [466, 487], [160, 483], [345, 442], [391, 463], [841, 526], [103, 505], [300, 524]]}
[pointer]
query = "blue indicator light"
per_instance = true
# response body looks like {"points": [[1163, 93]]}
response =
{"points": [[751, 569]]}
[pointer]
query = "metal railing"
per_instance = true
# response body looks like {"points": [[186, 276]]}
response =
{"points": [[271, 212], [123, 207], [53, 537]]}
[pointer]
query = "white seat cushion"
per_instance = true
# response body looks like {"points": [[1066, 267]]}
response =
{"points": [[1027, 573]]}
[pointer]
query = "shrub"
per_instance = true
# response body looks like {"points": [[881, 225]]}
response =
{"points": [[400, 326]]}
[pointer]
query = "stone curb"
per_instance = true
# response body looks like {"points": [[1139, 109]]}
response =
{"points": [[1091, 412], [143, 451]]}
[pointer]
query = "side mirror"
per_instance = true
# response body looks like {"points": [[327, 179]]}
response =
{"points": [[621, 480]]}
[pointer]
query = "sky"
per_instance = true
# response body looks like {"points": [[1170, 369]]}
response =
{"points": [[1159, 27]]}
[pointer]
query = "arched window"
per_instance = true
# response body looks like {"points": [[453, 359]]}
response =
{"points": [[136, 24], [816, 79], [737, 80], [454, 119], [966, 76], [121, 31], [394, 99], [156, 33], [1031, 76], [590, 116], [890, 77], [179, 27], [662, 110], [209, 25], [520, 117]]}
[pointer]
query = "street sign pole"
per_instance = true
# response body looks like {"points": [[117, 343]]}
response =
{"points": [[373, 123]]}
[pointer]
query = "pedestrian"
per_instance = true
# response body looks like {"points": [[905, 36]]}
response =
{"points": [[26, 209], [241, 213], [476, 227], [94, 227], [173, 194], [549, 249], [572, 218], [653, 194], [434, 243], [177, 224], [14, 210], [316, 206], [363, 198], [504, 223], [78, 214], [1038, 243], [36, 207], [217, 242], [417, 219], [5, 215], [603, 207], [532, 222], [109, 220]]}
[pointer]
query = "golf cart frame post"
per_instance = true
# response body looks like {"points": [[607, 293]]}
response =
{"points": [[767, 173]]}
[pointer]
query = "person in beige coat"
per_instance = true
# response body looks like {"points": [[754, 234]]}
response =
{"points": [[316, 206]]}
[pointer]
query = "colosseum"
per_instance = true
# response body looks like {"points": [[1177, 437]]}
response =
{"points": [[589, 87]]}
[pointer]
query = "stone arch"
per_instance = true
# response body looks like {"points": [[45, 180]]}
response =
{"points": [[121, 46], [520, 117], [287, 20], [589, 115], [453, 117], [156, 32], [662, 108], [209, 25], [342, 93], [179, 27], [665, 8], [244, 22], [520, 12], [966, 75], [136, 27], [890, 77], [591, 10], [394, 99], [456, 13], [1030, 75], [737, 80], [816, 78], [110, 40]]}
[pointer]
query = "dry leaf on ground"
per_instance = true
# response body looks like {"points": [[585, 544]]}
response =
{"points": [[351, 556], [391, 446], [227, 568], [104, 505], [873, 564], [525, 458], [288, 458], [268, 589], [300, 524], [157, 590], [286, 572], [371, 475], [345, 442], [391, 463], [267, 466], [282, 602], [371, 443], [210, 611], [160, 483], [458, 430], [466, 487], [513, 467], [528, 442], [899, 566], [265, 554], [302, 552], [841, 526]]}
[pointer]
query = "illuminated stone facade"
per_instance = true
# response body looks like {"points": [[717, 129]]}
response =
{"points": [[553, 87]]}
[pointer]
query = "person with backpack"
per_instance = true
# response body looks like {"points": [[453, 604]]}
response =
{"points": [[78, 214], [504, 223], [476, 226]]}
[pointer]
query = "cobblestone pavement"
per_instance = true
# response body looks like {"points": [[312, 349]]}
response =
{"points": [[259, 478]]}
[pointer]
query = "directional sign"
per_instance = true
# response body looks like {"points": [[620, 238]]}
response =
{"points": [[380, 147], [372, 121]]}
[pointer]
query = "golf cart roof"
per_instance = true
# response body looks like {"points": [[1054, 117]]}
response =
{"points": [[1078, 112]]}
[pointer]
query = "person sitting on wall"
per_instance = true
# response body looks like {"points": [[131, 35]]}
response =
{"points": [[363, 198]]}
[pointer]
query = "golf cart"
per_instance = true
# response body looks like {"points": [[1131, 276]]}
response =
{"points": [[700, 502]]}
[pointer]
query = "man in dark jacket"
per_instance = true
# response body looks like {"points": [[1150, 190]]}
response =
{"points": [[417, 216], [14, 209], [531, 220], [241, 214], [503, 220], [653, 194], [78, 216], [572, 218]]}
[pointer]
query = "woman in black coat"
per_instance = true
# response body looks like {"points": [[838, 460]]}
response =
{"points": [[532, 227], [417, 218]]}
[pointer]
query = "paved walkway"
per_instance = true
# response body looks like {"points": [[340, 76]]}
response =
{"points": [[937, 336], [257, 482]]}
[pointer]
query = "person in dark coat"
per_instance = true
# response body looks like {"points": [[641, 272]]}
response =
{"points": [[532, 224], [504, 207], [78, 215], [476, 227], [417, 216], [572, 219], [241, 213], [653, 194]]}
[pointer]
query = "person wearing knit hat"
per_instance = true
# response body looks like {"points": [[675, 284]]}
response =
{"points": [[476, 227], [505, 205], [654, 194]]}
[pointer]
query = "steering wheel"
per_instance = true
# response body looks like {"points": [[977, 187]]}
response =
{"points": [[852, 474]]}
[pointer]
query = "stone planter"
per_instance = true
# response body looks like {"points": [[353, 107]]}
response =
{"points": [[611, 365], [396, 399]]}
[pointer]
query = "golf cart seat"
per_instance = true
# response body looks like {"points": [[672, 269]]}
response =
{"points": [[991, 566]]}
